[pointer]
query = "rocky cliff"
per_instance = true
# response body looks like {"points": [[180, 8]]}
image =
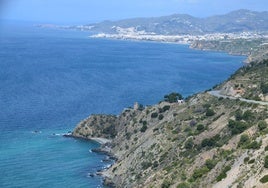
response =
{"points": [[206, 141]]}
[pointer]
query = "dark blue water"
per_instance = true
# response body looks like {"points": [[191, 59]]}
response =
{"points": [[51, 79]]}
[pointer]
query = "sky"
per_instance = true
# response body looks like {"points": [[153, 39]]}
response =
{"points": [[88, 11]]}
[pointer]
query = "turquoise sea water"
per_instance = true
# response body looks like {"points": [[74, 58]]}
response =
{"points": [[52, 79]]}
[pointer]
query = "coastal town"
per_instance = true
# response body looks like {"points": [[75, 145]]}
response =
{"points": [[134, 34]]}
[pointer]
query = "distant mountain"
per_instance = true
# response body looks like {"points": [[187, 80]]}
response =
{"points": [[236, 21]]}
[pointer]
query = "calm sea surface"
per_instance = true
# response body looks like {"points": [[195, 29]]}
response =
{"points": [[52, 79]]}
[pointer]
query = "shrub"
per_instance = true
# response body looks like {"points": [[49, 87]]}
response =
{"points": [[183, 185], [238, 115], [154, 115], [189, 144], [246, 159], [166, 184], [210, 112], [237, 127], [210, 141], [161, 116], [264, 87], [254, 145], [251, 161], [244, 140], [173, 97], [262, 125], [198, 173], [266, 161], [248, 115], [144, 123], [223, 173], [164, 109], [200, 127], [144, 128], [264, 179], [210, 163], [145, 165]]}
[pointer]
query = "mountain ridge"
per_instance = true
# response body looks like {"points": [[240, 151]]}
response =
{"points": [[235, 21]]}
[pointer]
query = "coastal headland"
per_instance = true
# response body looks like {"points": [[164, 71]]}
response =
{"points": [[210, 139]]}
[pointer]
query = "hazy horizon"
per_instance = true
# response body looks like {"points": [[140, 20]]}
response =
{"points": [[83, 11]]}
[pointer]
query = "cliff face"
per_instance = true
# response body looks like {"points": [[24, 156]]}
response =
{"points": [[203, 142]]}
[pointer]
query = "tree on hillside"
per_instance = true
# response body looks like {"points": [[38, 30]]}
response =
{"points": [[173, 97]]}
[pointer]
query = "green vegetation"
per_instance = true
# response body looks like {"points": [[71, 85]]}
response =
{"points": [[245, 142], [189, 143], [198, 173], [210, 112], [264, 179], [161, 116], [223, 173], [166, 184], [183, 185], [209, 142], [173, 97], [266, 161], [264, 87], [262, 125], [146, 164], [143, 128], [210, 163], [200, 127], [154, 115], [237, 127], [164, 109]]}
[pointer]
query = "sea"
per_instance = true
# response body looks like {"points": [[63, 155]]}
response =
{"points": [[51, 79]]}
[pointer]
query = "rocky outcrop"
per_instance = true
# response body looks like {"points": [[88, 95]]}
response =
{"points": [[103, 126]]}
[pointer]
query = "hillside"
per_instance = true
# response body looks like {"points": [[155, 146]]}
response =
{"points": [[236, 21], [206, 141]]}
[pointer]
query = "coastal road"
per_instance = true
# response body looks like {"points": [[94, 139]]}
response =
{"points": [[216, 93]]}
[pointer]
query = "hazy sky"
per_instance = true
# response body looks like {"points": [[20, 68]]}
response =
{"points": [[84, 11]]}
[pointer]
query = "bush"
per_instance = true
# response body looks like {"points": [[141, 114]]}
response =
{"points": [[154, 115], [189, 144], [164, 109], [244, 141], [210, 163], [161, 116], [254, 145], [145, 165], [238, 115], [264, 179], [223, 173], [210, 141], [183, 185], [144, 128], [262, 125], [200, 127], [237, 127], [251, 161], [173, 97], [198, 173], [264, 88], [166, 184], [266, 161], [248, 115], [210, 112], [246, 159]]}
